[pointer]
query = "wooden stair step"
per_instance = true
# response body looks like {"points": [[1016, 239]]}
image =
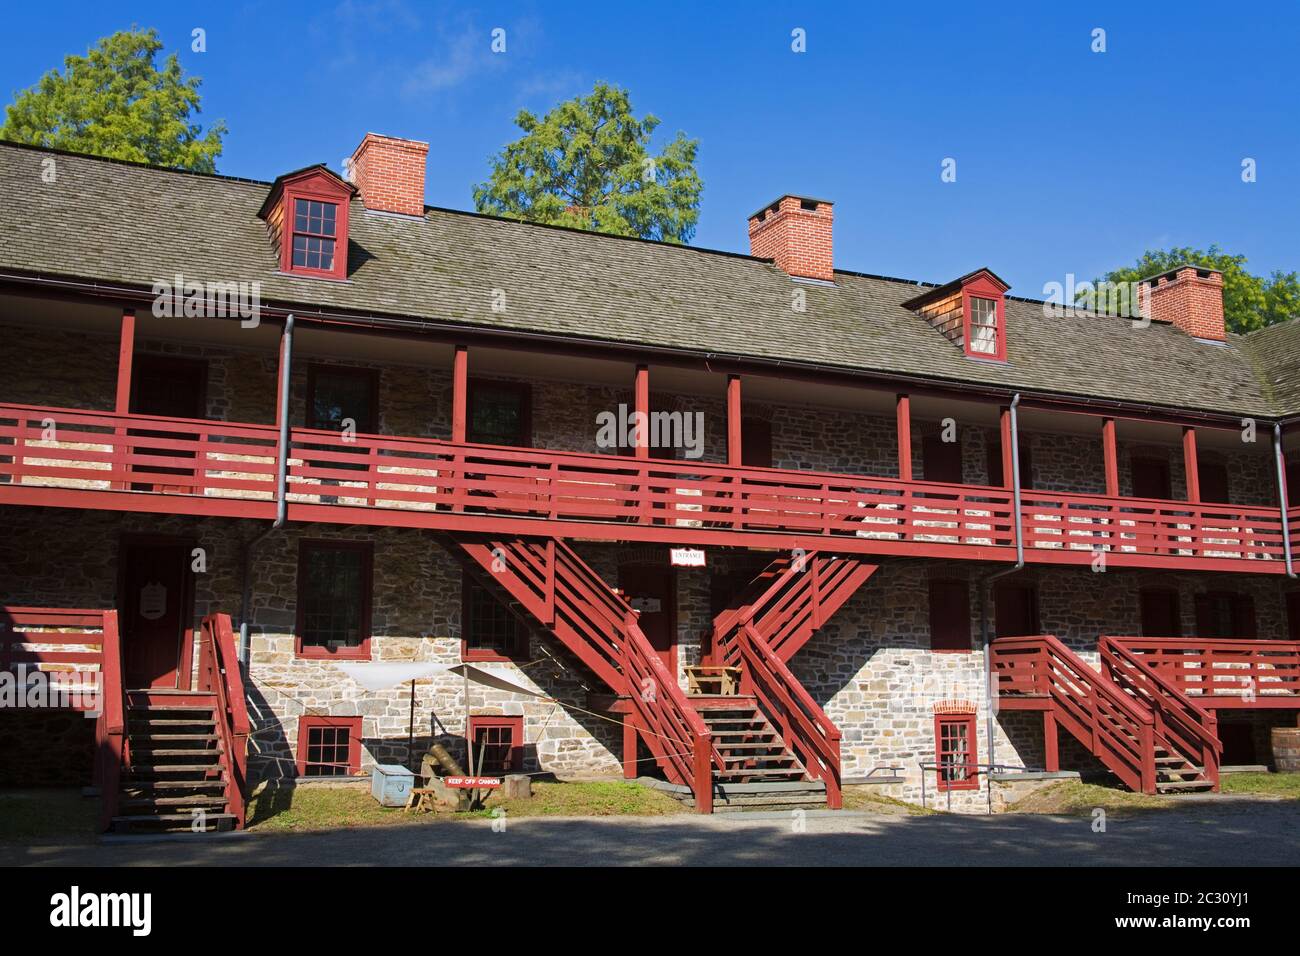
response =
{"points": [[764, 772], [175, 752], [150, 821], [170, 768], [190, 801], [151, 785], [170, 737]]}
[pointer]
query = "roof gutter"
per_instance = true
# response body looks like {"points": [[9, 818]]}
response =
{"points": [[281, 489], [513, 337]]}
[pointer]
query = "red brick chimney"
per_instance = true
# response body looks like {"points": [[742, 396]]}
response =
{"points": [[795, 232], [389, 173], [1190, 297]]}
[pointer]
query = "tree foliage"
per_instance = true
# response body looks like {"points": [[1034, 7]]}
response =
{"points": [[1249, 301], [587, 164], [115, 102]]}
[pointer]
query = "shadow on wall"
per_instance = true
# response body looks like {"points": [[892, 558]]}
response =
{"points": [[272, 754]]}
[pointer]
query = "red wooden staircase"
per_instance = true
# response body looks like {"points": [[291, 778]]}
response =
{"points": [[184, 765], [771, 731], [1137, 723]]}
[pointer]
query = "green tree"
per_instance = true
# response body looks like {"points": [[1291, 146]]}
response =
{"points": [[115, 102], [587, 164], [1249, 301]]}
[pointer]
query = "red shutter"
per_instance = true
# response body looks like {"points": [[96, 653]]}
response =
{"points": [[1150, 478], [1160, 612], [755, 443], [1213, 477], [949, 616], [1015, 610], [941, 460], [1293, 615]]}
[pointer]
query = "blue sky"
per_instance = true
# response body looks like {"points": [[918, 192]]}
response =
{"points": [[1067, 160]]}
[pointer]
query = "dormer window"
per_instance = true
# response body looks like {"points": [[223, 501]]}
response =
{"points": [[314, 233], [306, 216], [984, 330], [969, 312]]}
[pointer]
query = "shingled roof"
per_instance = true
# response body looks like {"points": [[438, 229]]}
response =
{"points": [[129, 224]]}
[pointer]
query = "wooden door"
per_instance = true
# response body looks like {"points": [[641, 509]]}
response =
{"points": [[651, 589], [156, 607], [174, 388]]}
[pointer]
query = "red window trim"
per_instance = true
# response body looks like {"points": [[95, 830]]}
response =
{"points": [[468, 653], [314, 193], [999, 353], [479, 722], [308, 721], [972, 780], [315, 652]]}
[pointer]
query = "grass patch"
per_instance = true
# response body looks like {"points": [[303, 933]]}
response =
{"points": [[589, 799], [868, 797], [1271, 784], [1074, 797], [28, 816], [329, 808]]}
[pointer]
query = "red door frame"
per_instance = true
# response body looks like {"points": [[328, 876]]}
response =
{"points": [[130, 541], [670, 602]]}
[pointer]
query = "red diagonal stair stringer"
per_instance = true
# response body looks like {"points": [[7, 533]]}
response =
{"points": [[549, 584]]}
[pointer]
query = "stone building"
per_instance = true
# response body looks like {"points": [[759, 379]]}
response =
{"points": [[882, 532]]}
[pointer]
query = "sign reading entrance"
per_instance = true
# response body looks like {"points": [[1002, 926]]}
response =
{"points": [[687, 557]]}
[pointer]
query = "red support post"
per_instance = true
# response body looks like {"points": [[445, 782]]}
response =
{"points": [[903, 411], [629, 747], [122, 399], [125, 353], [734, 451], [641, 399], [1189, 464], [1110, 456], [1051, 745], [460, 394]]}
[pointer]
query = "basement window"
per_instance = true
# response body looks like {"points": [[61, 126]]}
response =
{"points": [[954, 751], [498, 743], [329, 746]]}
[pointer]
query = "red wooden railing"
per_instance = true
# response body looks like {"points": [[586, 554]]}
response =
{"points": [[554, 585], [1118, 729], [803, 725], [68, 448], [1221, 671], [1150, 527], [219, 673], [1182, 726], [800, 595], [65, 448], [421, 474], [88, 661]]}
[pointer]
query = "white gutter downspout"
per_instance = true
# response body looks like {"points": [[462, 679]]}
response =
{"points": [[281, 489], [1282, 499], [986, 582]]}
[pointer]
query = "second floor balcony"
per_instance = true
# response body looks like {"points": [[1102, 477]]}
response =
{"points": [[913, 489]]}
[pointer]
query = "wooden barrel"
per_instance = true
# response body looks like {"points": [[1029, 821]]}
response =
{"points": [[1286, 749]]}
